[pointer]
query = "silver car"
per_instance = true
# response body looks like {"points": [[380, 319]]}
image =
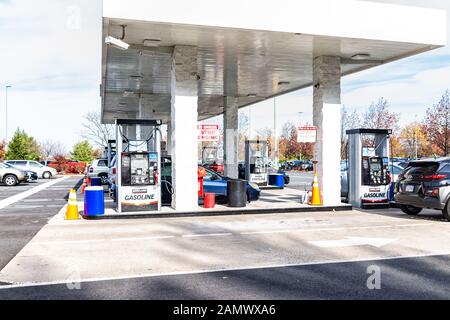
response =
{"points": [[31, 165], [11, 176]]}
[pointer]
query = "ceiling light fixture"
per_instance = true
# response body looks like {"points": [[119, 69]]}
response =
{"points": [[119, 44], [361, 56]]}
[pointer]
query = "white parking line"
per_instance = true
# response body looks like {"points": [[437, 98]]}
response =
{"points": [[8, 201], [207, 235], [65, 242], [143, 238]]}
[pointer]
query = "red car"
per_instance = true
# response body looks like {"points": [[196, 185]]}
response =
{"points": [[216, 167]]}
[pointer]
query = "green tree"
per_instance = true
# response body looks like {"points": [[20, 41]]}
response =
{"points": [[83, 151], [23, 147]]}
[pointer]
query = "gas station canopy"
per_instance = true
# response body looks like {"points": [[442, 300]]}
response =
{"points": [[249, 50]]}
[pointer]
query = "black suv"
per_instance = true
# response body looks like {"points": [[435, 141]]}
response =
{"points": [[424, 184]]}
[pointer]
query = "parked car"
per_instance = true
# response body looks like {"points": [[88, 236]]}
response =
{"points": [[31, 175], [241, 168], [11, 176], [214, 166], [212, 182], [98, 169], [31, 165], [424, 184]]}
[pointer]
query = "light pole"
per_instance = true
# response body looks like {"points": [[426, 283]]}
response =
{"points": [[275, 136], [299, 124], [6, 113]]}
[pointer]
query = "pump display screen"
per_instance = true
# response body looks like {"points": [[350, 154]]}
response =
{"points": [[139, 169], [374, 172]]}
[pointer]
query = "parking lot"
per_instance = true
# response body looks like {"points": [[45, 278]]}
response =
{"points": [[22, 219]]}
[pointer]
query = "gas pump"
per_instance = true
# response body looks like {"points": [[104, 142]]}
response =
{"points": [[368, 167], [138, 155], [256, 162]]}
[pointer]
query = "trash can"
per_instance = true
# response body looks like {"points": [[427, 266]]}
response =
{"points": [[276, 179], [210, 200], [96, 182], [237, 193], [94, 201]]}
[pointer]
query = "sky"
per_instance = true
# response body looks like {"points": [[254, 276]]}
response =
{"points": [[50, 55]]}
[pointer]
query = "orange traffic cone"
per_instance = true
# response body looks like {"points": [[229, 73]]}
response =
{"points": [[316, 199], [84, 185], [72, 206]]}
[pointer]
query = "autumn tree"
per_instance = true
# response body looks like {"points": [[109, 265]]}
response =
{"points": [[2, 150], [289, 148], [437, 125]]}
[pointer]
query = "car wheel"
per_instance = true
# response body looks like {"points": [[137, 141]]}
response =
{"points": [[412, 211], [10, 180], [445, 212], [46, 175], [104, 179]]}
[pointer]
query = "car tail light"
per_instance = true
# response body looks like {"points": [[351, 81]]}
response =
{"points": [[433, 192], [435, 177], [114, 171]]}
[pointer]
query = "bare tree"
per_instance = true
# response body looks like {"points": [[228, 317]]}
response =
{"points": [[348, 121], [51, 148], [378, 116], [95, 131]]}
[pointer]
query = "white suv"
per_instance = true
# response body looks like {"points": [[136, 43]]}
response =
{"points": [[30, 165], [98, 168]]}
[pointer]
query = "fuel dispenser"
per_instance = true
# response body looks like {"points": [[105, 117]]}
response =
{"points": [[256, 162], [138, 165], [368, 173]]}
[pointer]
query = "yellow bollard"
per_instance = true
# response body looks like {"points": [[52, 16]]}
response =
{"points": [[72, 206]]}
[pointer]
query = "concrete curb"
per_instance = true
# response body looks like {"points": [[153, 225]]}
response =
{"points": [[237, 211]]}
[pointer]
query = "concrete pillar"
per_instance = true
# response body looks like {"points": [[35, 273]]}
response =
{"points": [[326, 116], [184, 117], [169, 139], [231, 137]]}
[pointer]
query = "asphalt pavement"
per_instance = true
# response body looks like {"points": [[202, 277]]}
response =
{"points": [[300, 180], [401, 278], [20, 221]]}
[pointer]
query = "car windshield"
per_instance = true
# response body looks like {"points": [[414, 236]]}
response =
{"points": [[35, 164], [420, 168]]}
